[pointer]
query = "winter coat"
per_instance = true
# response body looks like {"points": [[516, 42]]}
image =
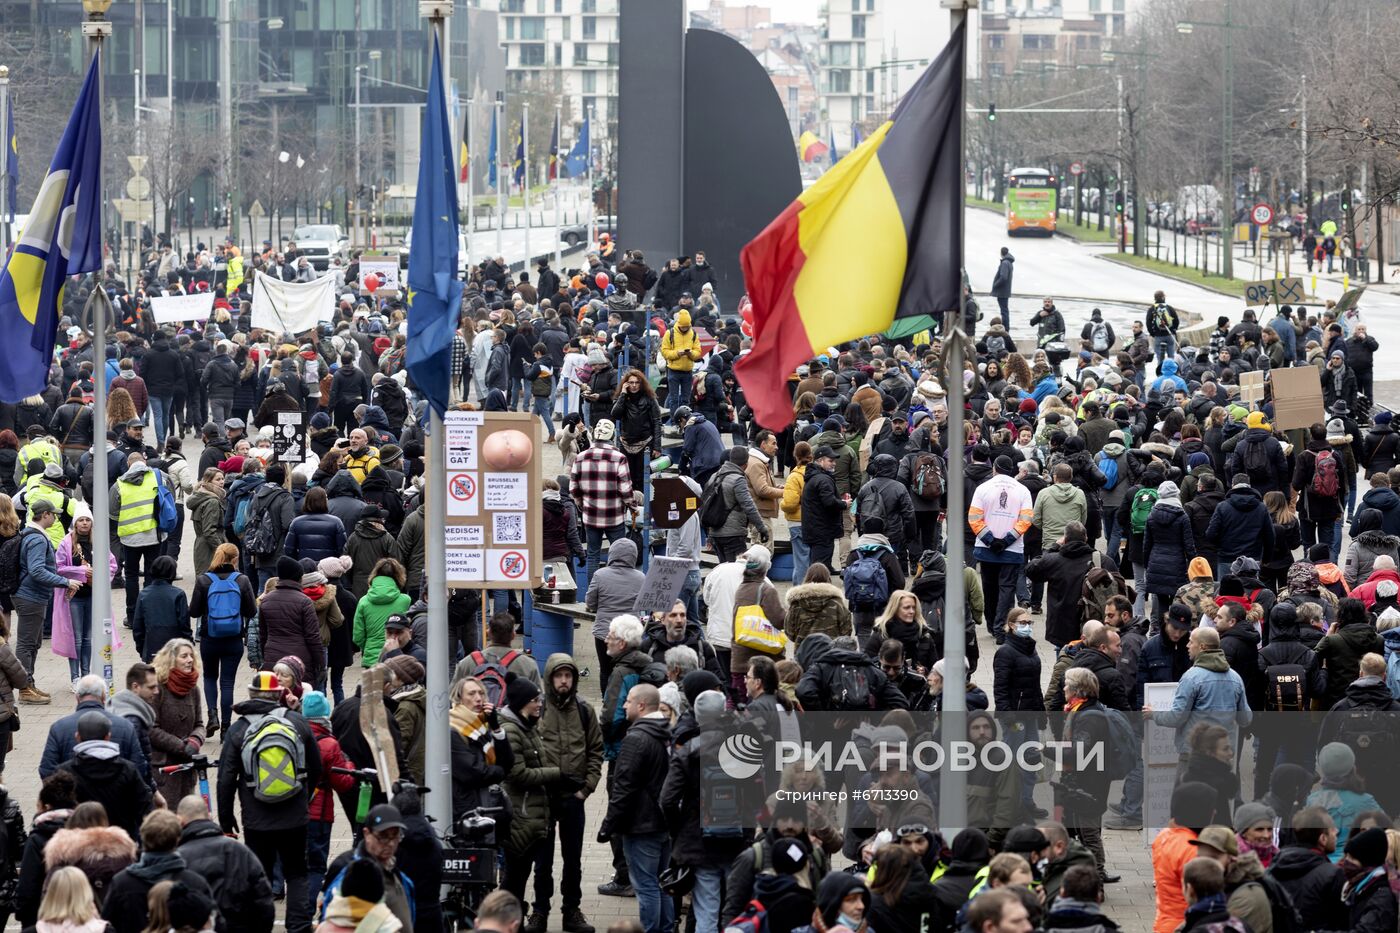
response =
{"points": [[813, 608], [275, 504], [1340, 655], [414, 554], [240, 887], [1057, 506], [162, 613], [179, 721], [1241, 526], [885, 497], [62, 738], [1275, 477], [638, 417], [220, 379], [1315, 884], [1381, 449], [612, 590], [1384, 500], [822, 508], [30, 863], [1168, 547], [383, 599], [1318, 508], [377, 490], [1365, 548], [125, 906], [110, 780], [847, 471], [101, 852], [527, 782], [765, 494], [821, 678], [314, 536], [256, 814], [921, 647], [1162, 661], [287, 625], [638, 775], [741, 510], [703, 450], [1200, 510], [367, 545], [1209, 686], [1220, 775], [1001, 282], [561, 534], [1063, 568], [345, 501], [569, 730], [656, 644], [682, 803], [1241, 647], [1016, 676], [755, 589], [199, 600], [1113, 689]]}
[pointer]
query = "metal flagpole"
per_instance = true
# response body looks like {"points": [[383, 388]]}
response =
{"points": [[952, 800], [5, 205], [471, 207], [95, 30], [502, 170], [558, 157], [525, 174], [592, 206], [437, 771]]}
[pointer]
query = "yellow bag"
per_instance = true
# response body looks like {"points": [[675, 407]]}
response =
{"points": [[753, 630]]}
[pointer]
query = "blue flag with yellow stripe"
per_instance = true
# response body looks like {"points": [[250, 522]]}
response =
{"points": [[434, 291], [62, 237], [11, 158]]}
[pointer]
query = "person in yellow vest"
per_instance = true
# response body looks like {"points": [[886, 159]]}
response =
{"points": [[136, 506], [235, 269], [39, 447], [47, 486], [360, 457], [681, 350]]}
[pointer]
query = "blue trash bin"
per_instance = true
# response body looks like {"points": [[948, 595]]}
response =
{"points": [[551, 633]]}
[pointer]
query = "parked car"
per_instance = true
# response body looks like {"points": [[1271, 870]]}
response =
{"points": [[321, 243], [462, 257]]}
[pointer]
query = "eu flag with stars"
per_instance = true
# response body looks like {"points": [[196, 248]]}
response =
{"points": [[576, 165], [62, 237], [435, 293]]}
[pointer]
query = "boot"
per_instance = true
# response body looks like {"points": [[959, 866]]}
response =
{"points": [[576, 922], [211, 729], [538, 922], [33, 697]]}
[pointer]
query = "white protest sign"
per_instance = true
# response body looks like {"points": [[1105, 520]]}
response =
{"points": [[465, 535], [462, 494], [172, 309], [464, 566], [662, 585]]}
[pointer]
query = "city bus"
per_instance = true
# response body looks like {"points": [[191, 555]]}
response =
{"points": [[1031, 194]]}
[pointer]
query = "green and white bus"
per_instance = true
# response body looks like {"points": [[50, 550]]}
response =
{"points": [[1031, 195]]}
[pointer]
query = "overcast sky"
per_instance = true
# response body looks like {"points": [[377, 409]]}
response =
{"points": [[785, 11]]}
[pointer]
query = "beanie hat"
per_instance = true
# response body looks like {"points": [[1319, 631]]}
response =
{"points": [[408, 669], [1004, 466], [696, 683], [1383, 417], [790, 856], [334, 567], [708, 706], [289, 568], [1193, 804], [315, 705], [671, 695], [757, 557], [873, 526], [1335, 761], [1199, 569], [520, 693], [831, 424], [314, 578], [277, 473], [1246, 816], [1368, 848], [298, 669], [1320, 553], [189, 908], [682, 318], [363, 880]]}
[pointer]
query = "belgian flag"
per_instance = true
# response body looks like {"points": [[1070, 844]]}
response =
{"points": [[877, 237]]}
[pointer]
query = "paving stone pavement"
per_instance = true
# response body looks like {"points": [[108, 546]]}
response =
{"points": [[1130, 902]]}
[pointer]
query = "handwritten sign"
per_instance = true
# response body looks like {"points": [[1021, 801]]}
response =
{"points": [[662, 585], [1275, 292]]}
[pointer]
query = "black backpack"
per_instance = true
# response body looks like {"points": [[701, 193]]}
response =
{"points": [[1256, 459], [850, 689], [1288, 687], [713, 510], [11, 562], [1284, 911]]}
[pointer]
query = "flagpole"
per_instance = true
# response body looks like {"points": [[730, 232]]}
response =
{"points": [[525, 173], [437, 771], [95, 30], [952, 815], [471, 205], [558, 205], [592, 207], [502, 178], [5, 205]]}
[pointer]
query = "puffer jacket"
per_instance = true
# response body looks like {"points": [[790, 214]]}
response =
{"points": [[612, 590], [1241, 526], [527, 782], [885, 497], [367, 545], [568, 728], [315, 536], [1016, 676], [31, 863], [638, 776], [741, 510], [241, 890], [1315, 884], [1161, 661], [287, 624], [383, 599], [1169, 546], [1365, 548], [816, 608], [1340, 654]]}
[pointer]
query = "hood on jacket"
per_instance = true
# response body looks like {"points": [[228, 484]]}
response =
{"points": [[343, 484], [623, 553], [1063, 493], [1169, 368], [495, 400], [883, 465], [1213, 660], [127, 703], [95, 843], [822, 592], [813, 648], [374, 417], [835, 888], [559, 660], [155, 867], [1245, 498], [1370, 693], [134, 472], [383, 590], [1294, 863]]}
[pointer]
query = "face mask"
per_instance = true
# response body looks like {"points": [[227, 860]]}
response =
{"points": [[1024, 630], [849, 922]]}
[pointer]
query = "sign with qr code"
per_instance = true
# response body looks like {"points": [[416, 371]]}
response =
{"points": [[494, 522]]}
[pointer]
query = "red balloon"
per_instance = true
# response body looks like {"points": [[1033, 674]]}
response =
{"points": [[746, 312], [372, 282], [601, 279], [746, 328]]}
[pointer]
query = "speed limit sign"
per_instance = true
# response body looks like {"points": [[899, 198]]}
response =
{"points": [[1076, 168], [1262, 214]]}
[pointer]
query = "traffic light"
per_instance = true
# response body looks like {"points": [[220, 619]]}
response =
{"points": [[1346, 202], [991, 113], [1118, 203]]}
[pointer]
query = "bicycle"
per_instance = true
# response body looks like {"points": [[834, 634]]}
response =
{"points": [[200, 764], [468, 866]]}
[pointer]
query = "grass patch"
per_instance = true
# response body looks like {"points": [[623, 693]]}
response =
{"points": [[1232, 287], [985, 204], [1088, 233]]}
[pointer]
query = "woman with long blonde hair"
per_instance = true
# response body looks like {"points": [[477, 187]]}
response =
{"points": [[68, 905], [9, 518], [481, 756], [120, 409], [178, 733], [903, 621]]}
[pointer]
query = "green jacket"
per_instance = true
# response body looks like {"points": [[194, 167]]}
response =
{"points": [[383, 599], [1057, 506], [568, 728], [206, 512], [412, 714], [528, 782], [847, 470]]}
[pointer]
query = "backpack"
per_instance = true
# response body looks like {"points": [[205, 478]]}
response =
{"points": [[1109, 468], [1256, 460], [865, 581], [850, 689], [928, 476], [1143, 501], [12, 561], [166, 514], [870, 505], [996, 345], [1287, 687], [274, 758], [225, 606], [1284, 911], [1124, 745], [653, 674], [1324, 480], [722, 814], [1098, 336], [753, 919], [259, 534], [1100, 585], [492, 674], [1366, 732], [713, 511], [240, 515]]}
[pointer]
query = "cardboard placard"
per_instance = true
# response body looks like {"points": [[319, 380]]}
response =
{"points": [[1297, 398], [665, 577], [1252, 386], [494, 523], [1347, 303], [1282, 291], [673, 502]]}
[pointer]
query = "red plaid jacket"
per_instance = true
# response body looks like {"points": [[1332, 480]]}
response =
{"points": [[601, 484]]}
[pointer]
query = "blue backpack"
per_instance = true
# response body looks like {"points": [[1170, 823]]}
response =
{"points": [[167, 516], [240, 515], [1109, 468], [225, 606], [865, 581]]}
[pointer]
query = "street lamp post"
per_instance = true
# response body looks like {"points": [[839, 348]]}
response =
{"points": [[501, 168], [355, 226]]}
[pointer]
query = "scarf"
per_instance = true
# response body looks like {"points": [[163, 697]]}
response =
{"points": [[472, 727], [181, 682], [314, 592], [213, 490], [1073, 705]]}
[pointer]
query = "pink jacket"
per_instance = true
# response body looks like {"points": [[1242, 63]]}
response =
{"points": [[63, 643]]}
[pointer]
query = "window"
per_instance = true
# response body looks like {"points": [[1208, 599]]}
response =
{"points": [[839, 55], [512, 6], [1095, 6], [590, 27], [580, 53], [1038, 42], [568, 28], [532, 56], [995, 69], [839, 82], [590, 6], [996, 42], [558, 54], [532, 28], [857, 27], [870, 82], [558, 6], [539, 6], [590, 82], [612, 53], [510, 28], [1118, 6]]}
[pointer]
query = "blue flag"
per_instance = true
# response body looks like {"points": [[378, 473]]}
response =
{"points": [[834, 156], [494, 156], [855, 136], [11, 163], [576, 165], [62, 237], [518, 166], [434, 291]]}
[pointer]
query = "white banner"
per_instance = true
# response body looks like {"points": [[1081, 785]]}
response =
{"points": [[292, 307], [172, 309]]}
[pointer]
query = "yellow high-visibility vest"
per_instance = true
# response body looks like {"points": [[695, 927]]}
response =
{"points": [[138, 511]]}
